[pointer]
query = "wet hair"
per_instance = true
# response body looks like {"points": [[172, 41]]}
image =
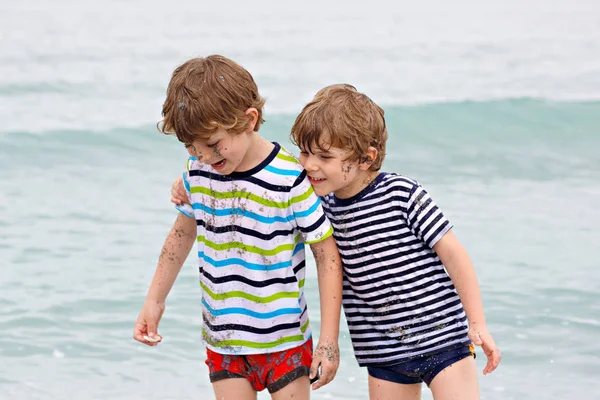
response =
{"points": [[340, 116], [206, 94]]}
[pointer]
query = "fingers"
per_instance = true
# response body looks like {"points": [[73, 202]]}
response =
{"points": [[493, 359], [481, 337], [491, 352], [175, 200], [151, 327], [316, 368], [145, 333], [145, 338], [175, 184], [141, 335], [178, 193], [327, 357], [181, 193], [314, 373], [174, 196], [152, 340], [328, 371], [138, 335]]}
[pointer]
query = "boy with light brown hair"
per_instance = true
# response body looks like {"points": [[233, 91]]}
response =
{"points": [[410, 294], [251, 212]]}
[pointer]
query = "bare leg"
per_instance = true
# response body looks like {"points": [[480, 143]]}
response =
{"points": [[386, 390], [299, 389], [234, 389], [457, 381]]}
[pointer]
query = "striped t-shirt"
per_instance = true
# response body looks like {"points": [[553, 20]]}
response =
{"points": [[252, 227], [398, 299]]}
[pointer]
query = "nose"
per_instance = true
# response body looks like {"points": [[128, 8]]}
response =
{"points": [[309, 163], [205, 157]]}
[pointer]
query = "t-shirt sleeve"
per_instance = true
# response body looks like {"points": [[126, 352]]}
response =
{"points": [[308, 212], [424, 218], [185, 208]]}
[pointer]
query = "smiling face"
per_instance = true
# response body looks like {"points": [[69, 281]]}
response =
{"points": [[225, 152], [342, 136], [330, 169]]}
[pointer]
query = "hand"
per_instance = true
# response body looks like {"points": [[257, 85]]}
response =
{"points": [[178, 193], [146, 326], [326, 356], [481, 337]]}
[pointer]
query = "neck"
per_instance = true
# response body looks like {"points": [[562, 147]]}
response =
{"points": [[362, 180], [259, 148]]}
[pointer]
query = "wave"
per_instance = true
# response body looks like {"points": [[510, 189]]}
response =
{"points": [[514, 116], [523, 119], [530, 138]]}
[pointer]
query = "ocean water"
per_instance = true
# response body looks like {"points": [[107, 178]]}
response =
{"points": [[493, 106]]}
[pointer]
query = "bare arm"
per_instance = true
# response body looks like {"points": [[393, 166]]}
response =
{"points": [[175, 250], [329, 269], [460, 269]]}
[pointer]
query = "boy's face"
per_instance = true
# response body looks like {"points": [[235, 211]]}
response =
{"points": [[225, 152], [328, 171]]}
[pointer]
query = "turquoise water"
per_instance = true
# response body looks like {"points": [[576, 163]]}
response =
{"points": [[494, 109]]}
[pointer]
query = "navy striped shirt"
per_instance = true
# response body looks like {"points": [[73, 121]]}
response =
{"points": [[398, 299]]}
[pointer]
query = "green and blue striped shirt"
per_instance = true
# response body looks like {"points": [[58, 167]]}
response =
{"points": [[252, 231]]}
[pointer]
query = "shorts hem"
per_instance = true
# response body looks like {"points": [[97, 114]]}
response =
{"points": [[221, 375], [288, 378], [454, 361]]}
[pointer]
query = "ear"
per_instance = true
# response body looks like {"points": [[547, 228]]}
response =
{"points": [[252, 114], [368, 159]]}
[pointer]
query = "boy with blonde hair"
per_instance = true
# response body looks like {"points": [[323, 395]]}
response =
{"points": [[410, 294], [251, 212]]}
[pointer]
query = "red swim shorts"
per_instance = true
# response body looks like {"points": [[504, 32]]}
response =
{"points": [[272, 370]]}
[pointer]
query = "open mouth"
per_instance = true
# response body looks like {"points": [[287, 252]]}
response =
{"points": [[218, 165], [315, 180]]}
